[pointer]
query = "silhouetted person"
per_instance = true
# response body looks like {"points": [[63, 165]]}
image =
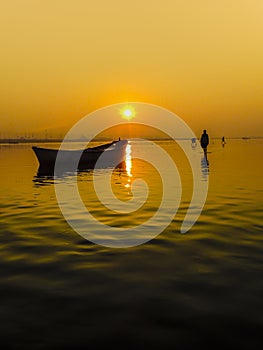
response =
{"points": [[204, 141], [194, 144]]}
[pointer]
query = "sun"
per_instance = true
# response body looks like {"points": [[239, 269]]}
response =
{"points": [[128, 112]]}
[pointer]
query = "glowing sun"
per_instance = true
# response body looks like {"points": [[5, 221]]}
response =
{"points": [[127, 112]]}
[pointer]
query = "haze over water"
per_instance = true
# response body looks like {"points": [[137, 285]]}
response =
{"points": [[176, 291]]}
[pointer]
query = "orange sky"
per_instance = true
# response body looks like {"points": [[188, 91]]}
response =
{"points": [[61, 59]]}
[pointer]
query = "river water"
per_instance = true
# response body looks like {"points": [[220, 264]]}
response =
{"points": [[59, 290]]}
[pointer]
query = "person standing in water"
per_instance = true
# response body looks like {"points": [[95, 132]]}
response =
{"points": [[204, 141]]}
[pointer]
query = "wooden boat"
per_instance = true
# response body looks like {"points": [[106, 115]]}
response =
{"points": [[114, 154]]}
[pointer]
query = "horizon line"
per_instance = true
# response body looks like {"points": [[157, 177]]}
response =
{"points": [[30, 140]]}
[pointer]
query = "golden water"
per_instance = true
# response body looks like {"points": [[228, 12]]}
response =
{"points": [[59, 290]]}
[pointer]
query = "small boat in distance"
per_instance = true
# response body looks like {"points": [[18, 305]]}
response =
{"points": [[114, 154]]}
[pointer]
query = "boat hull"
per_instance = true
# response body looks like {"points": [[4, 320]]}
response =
{"points": [[113, 154]]}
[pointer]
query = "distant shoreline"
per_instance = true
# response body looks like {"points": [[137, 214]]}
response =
{"points": [[17, 141]]}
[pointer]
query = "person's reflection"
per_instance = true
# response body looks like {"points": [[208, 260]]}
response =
{"points": [[205, 167], [205, 158]]}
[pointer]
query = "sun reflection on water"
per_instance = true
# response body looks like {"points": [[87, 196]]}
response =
{"points": [[128, 160], [128, 164]]}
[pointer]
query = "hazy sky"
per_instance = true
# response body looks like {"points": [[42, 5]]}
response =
{"points": [[202, 59]]}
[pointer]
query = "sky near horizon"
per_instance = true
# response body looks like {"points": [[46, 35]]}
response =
{"points": [[62, 59]]}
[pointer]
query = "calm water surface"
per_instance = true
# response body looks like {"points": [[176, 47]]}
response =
{"points": [[205, 287]]}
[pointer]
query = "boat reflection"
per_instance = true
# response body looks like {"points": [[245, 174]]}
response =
{"points": [[45, 175], [43, 180]]}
